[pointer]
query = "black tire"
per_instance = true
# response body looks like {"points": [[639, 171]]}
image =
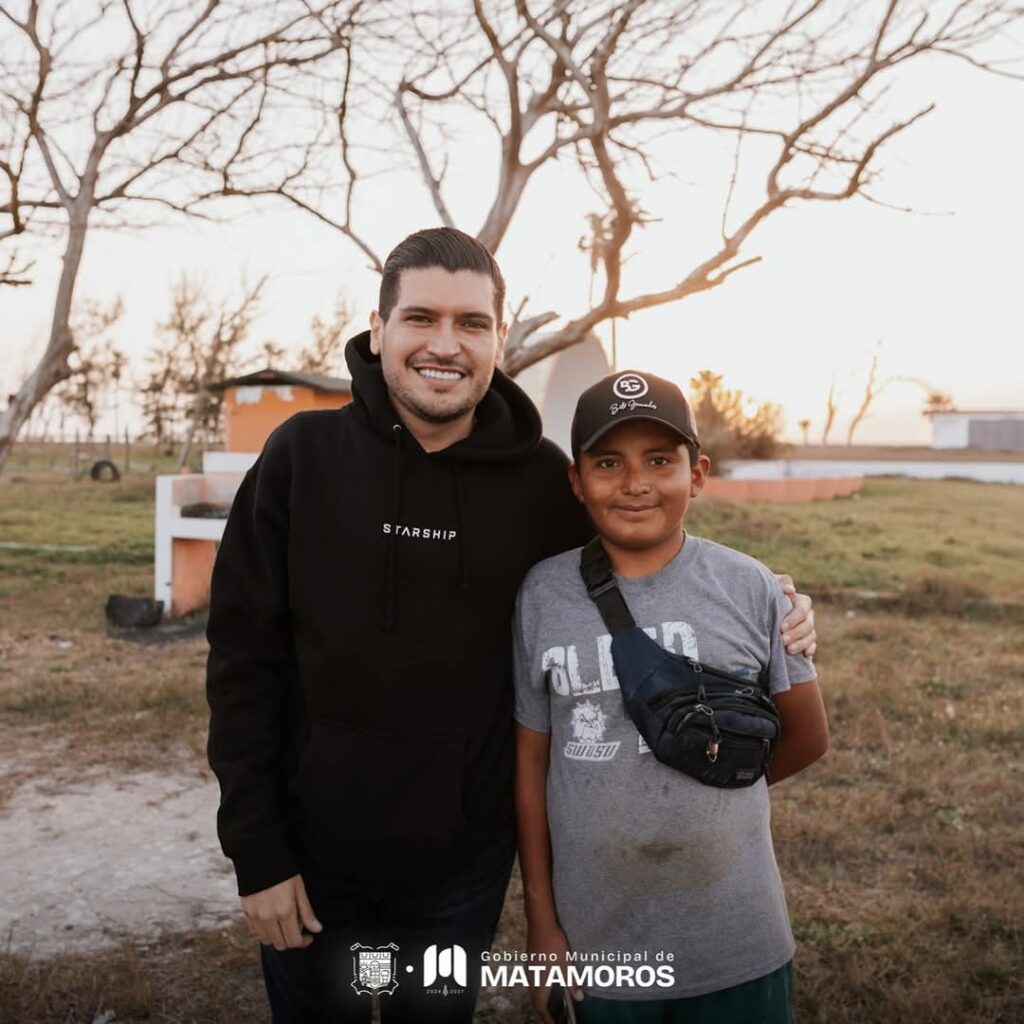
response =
{"points": [[133, 612], [104, 472]]}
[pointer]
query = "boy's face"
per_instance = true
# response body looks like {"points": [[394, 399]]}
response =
{"points": [[636, 483]]}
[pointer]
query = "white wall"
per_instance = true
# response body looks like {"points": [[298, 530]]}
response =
{"points": [[952, 429], [228, 462], [555, 383], [774, 469], [949, 431]]}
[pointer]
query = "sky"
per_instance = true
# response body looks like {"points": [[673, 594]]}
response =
{"points": [[939, 289]]}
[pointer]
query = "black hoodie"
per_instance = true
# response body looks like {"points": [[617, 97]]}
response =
{"points": [[359, 675]]}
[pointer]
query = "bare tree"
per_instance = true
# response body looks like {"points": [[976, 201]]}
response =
{"points": [[831, 406], [805, 427], [324, 351], [201, 100], [210, 360], [97, 363], [934, 399], [799, 90], [109, 108], [200, 343], [872, 388]]}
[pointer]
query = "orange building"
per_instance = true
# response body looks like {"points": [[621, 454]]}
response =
{"points": [[258, 402]]}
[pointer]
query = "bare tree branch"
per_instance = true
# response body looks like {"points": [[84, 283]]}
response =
{"points": [[195, 91], [872, 388], [13, 272], [433, 182]]}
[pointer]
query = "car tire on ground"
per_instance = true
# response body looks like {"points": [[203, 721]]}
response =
{"points": [[104, 472]]}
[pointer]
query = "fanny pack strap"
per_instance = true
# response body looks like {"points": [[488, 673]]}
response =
{"points": [[599, 579], [596, 570]]}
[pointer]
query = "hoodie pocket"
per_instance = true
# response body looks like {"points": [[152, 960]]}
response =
{"points": [[363, 798]]}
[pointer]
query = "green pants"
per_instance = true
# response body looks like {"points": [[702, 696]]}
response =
{"points": [[765, 1000]]}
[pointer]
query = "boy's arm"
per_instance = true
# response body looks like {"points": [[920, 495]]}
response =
{"points": [[532, 753], [544, 934], [804, 732]]}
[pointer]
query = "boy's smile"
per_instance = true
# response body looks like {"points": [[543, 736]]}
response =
{"points": [[636, 483]]}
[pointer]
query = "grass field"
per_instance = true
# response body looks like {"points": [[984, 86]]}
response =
{"points": [[901, 851]]}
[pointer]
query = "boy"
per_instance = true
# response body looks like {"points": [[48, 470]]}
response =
{"points": [[619, 852]]}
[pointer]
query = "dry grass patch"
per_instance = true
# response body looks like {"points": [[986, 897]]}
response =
{"points": [[892, 533], [900, 852], [210, 977], [74, 698]]}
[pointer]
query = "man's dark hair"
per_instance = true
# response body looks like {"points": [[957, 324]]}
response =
{"points": [[438, 247]]}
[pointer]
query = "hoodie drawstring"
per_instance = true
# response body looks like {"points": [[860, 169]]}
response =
{"points": [[396, 507], [460, 526]]}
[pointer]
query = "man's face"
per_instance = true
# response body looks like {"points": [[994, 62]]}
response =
{"points": [[636, 483], [441, 343]]}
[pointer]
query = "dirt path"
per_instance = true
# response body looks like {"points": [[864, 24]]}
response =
{"points": [[88, 862]]}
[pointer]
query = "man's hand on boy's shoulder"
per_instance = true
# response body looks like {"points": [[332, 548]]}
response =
{"points": [[798, 632]]}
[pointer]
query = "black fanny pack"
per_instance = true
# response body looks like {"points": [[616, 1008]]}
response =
{"points": [[715, 727]]}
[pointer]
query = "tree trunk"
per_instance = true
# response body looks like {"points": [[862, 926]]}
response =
{"points": [[198, 412], [53, 366], [202, 398]]}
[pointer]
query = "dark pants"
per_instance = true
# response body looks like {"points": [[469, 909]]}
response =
{"points": [[765, 1000], [315, 985]]}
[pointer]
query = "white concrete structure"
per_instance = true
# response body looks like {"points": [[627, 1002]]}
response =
{"points": [[228, 462], [172, 493], [992, 429], [555, 383], [775, 469]]}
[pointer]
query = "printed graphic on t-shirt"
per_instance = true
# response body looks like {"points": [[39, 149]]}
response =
{"points": [[561, 664], [561, 667], [588, 725]]}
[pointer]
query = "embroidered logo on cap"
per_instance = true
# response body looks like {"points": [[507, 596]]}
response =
{"points": [[630, 385]]}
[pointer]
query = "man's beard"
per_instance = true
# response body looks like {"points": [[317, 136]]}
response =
{"points": [[441, 412], [422, 412]]}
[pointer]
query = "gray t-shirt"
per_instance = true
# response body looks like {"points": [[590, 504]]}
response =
{"points": [[644, 857]]}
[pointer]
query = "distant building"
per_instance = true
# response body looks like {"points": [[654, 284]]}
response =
{"points": [[192, 508], [986, 429], [258, 402]]}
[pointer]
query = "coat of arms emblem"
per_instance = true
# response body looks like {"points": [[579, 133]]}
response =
{"points": [[374, 969]]}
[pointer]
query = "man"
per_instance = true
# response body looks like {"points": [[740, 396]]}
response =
{"points": [[359, 676]]}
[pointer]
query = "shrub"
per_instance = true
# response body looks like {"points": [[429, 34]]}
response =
{"points": [[934, 593], [730, 426]]}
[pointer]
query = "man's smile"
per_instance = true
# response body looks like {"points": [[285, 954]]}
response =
{"points": [[440, 373]]}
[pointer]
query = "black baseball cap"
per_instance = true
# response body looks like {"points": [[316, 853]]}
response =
{"points": [[630, 395]]}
